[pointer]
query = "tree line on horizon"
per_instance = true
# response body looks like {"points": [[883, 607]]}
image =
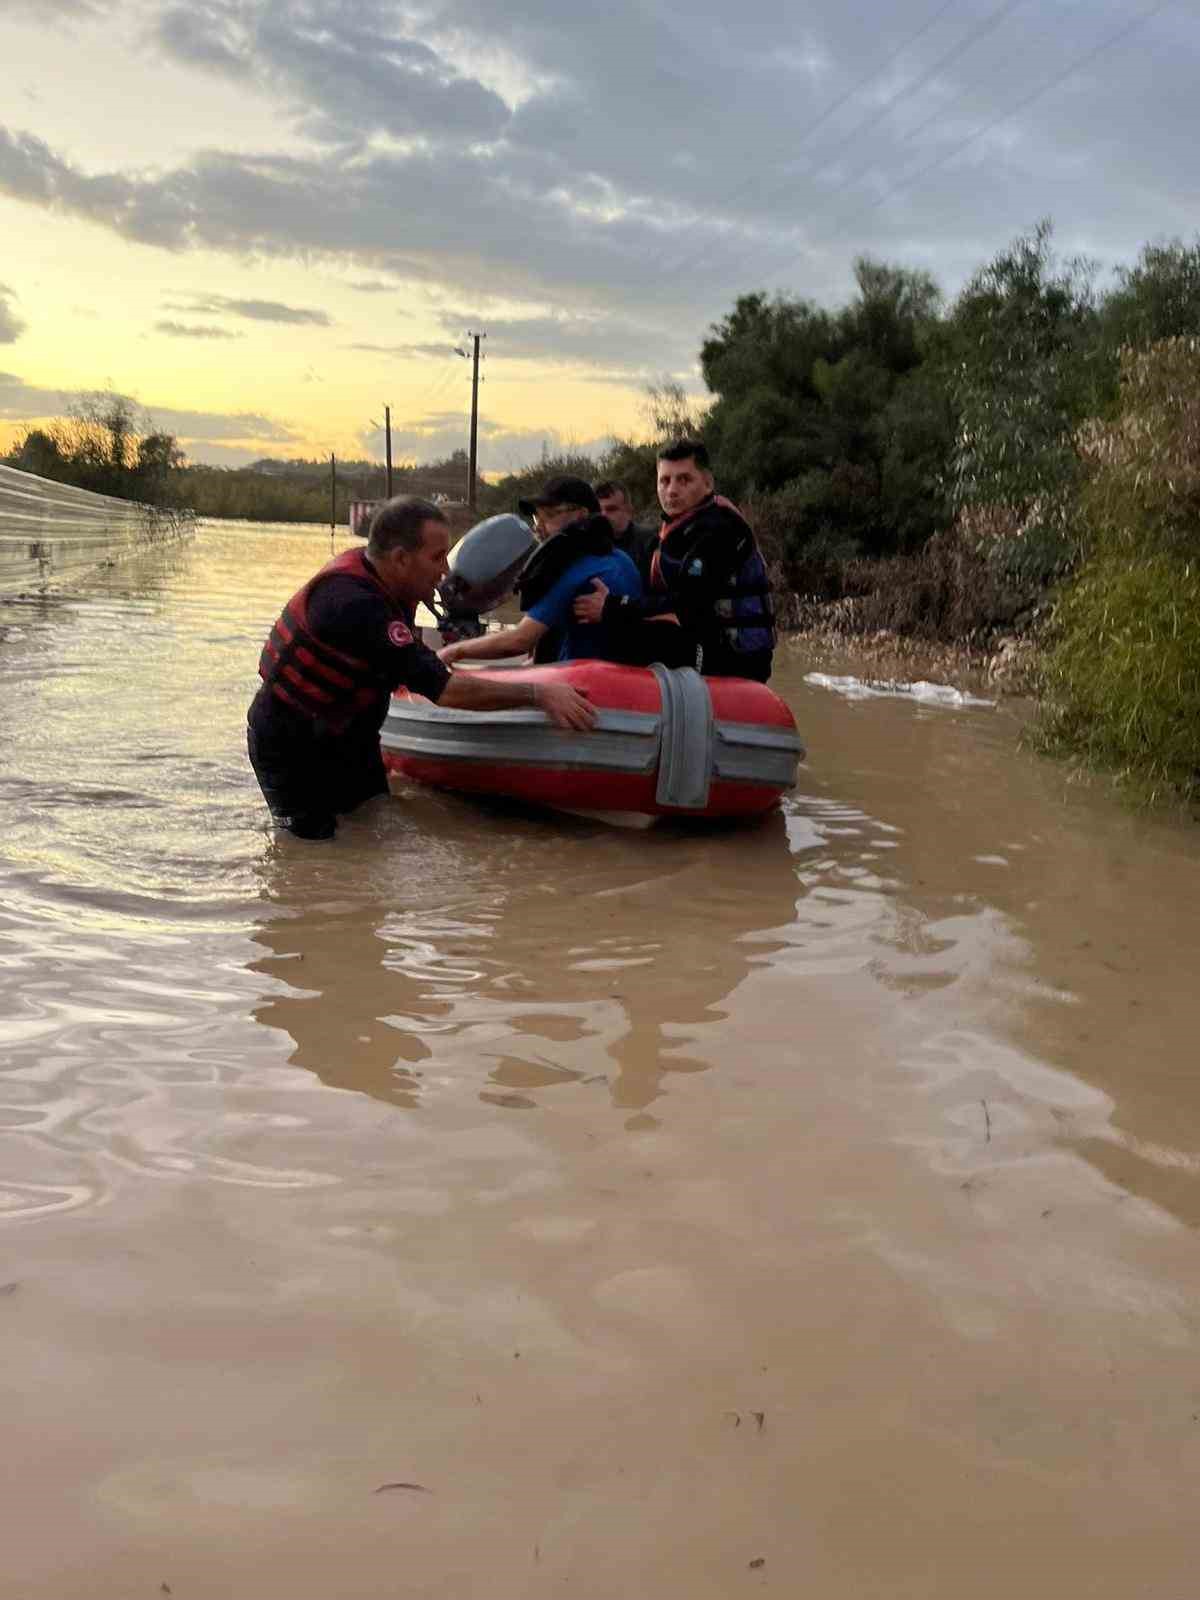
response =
{"points": [[106, 444]]}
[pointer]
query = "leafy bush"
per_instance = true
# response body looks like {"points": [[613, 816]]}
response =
{"points": [[1123, 676], [1123, 681]]}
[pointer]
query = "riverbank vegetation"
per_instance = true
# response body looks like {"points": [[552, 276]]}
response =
{"points": [[1015, 475], [1016, 471]]}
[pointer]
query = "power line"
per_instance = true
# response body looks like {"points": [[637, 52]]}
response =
{"points": [[835, 106], [1021, 105], [986, 25]]}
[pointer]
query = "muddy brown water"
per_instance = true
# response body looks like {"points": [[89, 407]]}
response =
{"points": [[808, 1210]]}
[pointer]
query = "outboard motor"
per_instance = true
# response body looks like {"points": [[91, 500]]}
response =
{"points": [[484, 567]]}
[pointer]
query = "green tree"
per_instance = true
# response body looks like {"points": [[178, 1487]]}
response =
{"points": [[1026, 367], [826, 409], [1158, 298]]}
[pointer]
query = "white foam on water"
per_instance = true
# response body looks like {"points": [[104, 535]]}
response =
{"points": [[934, 694]]}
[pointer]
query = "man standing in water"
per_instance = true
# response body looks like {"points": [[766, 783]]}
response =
{"points": [[342, 644], [707, 575]]}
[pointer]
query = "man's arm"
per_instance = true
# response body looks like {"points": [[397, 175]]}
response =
{"points": [[565, 706], [519, 640], [622, 610]]}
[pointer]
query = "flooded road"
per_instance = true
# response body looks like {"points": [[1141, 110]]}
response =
{"points": [[489, 1205]]}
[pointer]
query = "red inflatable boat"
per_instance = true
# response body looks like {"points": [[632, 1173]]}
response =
{"points": [[666, 742]]}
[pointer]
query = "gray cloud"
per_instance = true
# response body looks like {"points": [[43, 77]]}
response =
{"points": [[254, 310], [25, 402], [577, 341], [500, 449], [404, 351], [184, 330], [374, 287], [634, 169], [11, 326], [58, 10], [358, 64], [210, 426]]}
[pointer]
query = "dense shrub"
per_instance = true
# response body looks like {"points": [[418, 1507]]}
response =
{"points": [[1123, 676], [1123, 681]]}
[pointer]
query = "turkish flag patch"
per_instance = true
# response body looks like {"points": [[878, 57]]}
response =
{"points": [[399, 635]]}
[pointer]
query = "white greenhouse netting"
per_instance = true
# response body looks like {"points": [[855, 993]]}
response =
{"points": [[50, 531]]}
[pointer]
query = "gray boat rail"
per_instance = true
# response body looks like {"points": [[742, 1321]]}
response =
{"points": [[684, 743], [51, 531]]}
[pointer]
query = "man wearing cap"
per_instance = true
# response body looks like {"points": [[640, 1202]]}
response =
{"points": [[575, 549]]}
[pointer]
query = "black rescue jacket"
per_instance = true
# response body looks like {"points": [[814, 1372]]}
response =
{"points": [[330, 686]]}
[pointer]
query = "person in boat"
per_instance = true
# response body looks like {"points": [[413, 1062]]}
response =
{"points": [[341, 645], [637, 542], [708, 600], [575, 549]]}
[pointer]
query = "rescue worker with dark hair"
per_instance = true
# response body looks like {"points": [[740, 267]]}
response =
{"points": [[707, 576], [341, 645], [617, 509], [575, 548]]}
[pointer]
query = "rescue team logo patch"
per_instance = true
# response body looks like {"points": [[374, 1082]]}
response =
{"points": [[399, 635]]}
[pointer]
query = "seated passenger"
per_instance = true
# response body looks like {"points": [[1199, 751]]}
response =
{"points": [[575, 549], [707, 576]]}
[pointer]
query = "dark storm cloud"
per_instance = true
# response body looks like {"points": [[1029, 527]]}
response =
{"points": [[635, 168]]}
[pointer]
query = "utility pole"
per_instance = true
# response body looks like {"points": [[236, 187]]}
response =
{"points": [[387, 428], [474, 413], [332, 494], [472, 457], [474, 425]]}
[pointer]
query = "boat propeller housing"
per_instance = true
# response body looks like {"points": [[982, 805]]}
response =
{"points": [[485, 564]]}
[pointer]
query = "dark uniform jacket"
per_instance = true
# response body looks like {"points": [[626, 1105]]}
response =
{"points": [[639, 544], [339, 648], [707, 571]]}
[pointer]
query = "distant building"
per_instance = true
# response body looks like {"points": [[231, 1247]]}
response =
{"points": [[361, 512]]}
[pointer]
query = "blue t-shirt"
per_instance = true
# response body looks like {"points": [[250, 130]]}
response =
{"points": [[586, 640]]}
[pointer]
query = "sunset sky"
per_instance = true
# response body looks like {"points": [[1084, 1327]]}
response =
{"points": [[265, 219]]}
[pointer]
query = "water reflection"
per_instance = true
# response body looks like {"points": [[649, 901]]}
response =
{"points": [[448, 947]]}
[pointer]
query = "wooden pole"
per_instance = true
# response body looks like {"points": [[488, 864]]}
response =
{"points": [[332, 495], [471, 495], [387, 428]]}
